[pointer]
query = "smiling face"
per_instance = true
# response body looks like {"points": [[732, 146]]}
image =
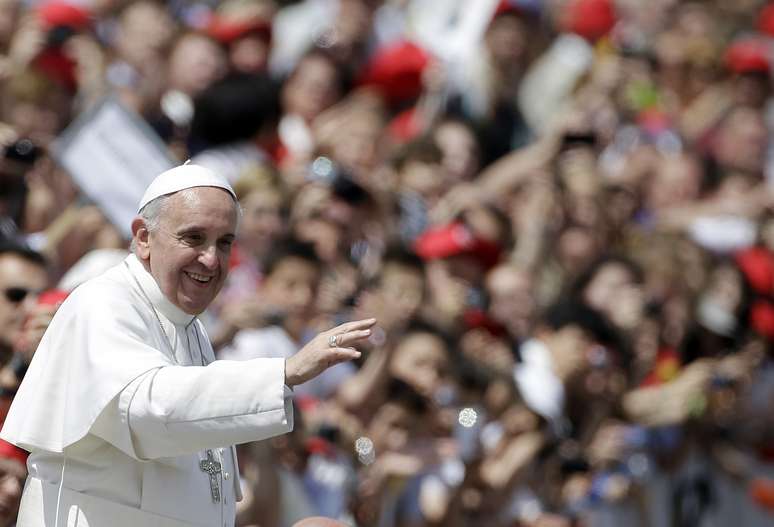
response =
{"points": [[188, 253]]}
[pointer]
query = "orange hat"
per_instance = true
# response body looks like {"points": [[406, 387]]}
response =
{"points": [[748, 55], [396, 71], [591, 19]]}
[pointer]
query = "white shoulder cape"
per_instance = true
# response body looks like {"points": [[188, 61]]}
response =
{"points": [[96, 345]]}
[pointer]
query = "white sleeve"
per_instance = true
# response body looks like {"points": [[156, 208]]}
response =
{"points": [[178, 410]]}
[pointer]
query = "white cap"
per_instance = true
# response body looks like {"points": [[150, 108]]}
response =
{"points": [[181, 178]]}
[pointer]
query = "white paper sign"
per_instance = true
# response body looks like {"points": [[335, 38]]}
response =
{"points": [[112, 155]]}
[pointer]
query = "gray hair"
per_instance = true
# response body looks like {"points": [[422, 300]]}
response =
{"points": [[151, 214], [152, 211]]}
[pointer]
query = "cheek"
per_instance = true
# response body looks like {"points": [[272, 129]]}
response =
{"points": [[225, 260]]}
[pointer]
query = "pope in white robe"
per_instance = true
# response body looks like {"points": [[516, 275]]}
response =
{"points": [[128, 418]]}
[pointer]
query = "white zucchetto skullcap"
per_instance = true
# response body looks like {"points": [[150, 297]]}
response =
{"points": [[181, 178]]}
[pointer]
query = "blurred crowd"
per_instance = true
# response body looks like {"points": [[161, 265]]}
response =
{"points": [[561, 212]]}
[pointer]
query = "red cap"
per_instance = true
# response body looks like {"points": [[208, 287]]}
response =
{"points": [[591, 19], [227, 30], [9, 451], [456, 239], [57, 13], [748, 55], [396, 71]]}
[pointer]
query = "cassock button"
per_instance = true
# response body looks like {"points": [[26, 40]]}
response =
{"points": [[225, 475]]}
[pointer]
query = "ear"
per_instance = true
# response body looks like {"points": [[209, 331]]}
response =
{"points": [[141, 235]]}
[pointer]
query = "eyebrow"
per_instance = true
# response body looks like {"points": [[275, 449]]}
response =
{"points": [[197, 229]]}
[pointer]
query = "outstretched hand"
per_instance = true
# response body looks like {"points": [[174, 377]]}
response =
{"points": [[327, 349]]}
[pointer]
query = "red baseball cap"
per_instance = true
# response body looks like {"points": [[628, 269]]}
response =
{"points": [[57, 13], [396, 71], [748, 55], [456, 239], [227, 30], [591, 19]]}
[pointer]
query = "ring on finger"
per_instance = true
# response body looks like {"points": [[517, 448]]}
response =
{"points": [[333, 341]]}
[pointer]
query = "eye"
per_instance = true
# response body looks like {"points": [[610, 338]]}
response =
{"points": [[226, 244], [192, 238]]}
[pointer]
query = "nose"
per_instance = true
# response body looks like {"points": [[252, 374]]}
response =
{"points": [[209, 258]]}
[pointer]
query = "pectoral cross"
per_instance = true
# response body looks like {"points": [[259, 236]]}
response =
{"points": [[212, 468]]}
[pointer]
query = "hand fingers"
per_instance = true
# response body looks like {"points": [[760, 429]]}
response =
{"points": [[353, 326], [339, 355], [349, 338]]}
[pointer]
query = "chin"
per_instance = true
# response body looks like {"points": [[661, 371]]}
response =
{"points": [[194, 308]]}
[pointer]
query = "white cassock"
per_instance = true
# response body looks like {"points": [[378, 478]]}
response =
{"points": [[132, 425]]}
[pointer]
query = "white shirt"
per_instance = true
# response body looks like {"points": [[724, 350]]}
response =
{"points": [[541, 389], [118, 414]]}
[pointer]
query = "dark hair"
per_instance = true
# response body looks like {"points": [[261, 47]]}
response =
{"points": [[233, 109], [398, 254], [571, 313], [585, 278], [403, 394], [419, 325], [350, 191], [423, 150], [344, 78], [22, 251], [290, 248]]}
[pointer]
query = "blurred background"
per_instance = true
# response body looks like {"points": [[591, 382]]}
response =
{"points": [[561, 212]]}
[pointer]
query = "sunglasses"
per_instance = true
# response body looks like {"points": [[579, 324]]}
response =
{"points": [[17, 294]]}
